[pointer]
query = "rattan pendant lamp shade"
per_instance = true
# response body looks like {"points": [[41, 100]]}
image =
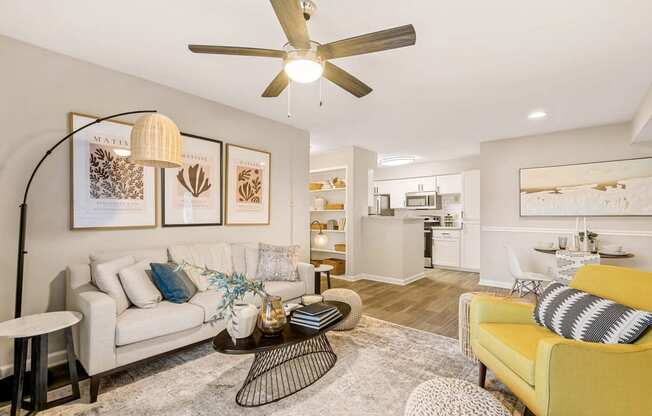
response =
{"points": [[156, 142]]}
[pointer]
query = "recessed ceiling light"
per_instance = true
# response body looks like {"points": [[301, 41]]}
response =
{"points": [[537, 114], [396, 160]]}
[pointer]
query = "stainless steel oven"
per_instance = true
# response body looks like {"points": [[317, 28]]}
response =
{"points": [[422, 200]]}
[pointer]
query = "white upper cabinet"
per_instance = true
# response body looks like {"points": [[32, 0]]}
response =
{"points": [[471, 195], [426, 184], [449, 184]]}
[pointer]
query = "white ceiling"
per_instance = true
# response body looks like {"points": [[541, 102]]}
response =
{"points": [[478, 67]]}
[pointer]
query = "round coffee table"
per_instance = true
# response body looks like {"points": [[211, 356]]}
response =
{"points": [[283, 364]]}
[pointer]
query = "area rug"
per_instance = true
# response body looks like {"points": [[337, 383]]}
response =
{"points": [[379, 364]]}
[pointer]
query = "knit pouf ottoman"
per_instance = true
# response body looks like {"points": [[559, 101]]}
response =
{"points": [[353, 300], [452, 397]]}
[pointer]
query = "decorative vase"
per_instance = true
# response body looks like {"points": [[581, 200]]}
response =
{"points": [[242, 322], [320, 203], [271, 319]]}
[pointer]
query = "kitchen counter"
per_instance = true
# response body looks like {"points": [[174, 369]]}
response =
{"points": [[392, 249], [392, 218]]}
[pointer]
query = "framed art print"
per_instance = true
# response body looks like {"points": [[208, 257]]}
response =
{"points": [[192, 194], [611, 188], [108, 191], [247, 186]]}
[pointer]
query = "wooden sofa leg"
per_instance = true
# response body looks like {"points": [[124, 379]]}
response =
{"points": [[95, 387], [482, 374]]}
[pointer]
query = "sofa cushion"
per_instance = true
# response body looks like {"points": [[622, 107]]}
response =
{"points": [[277, 263], [137, 283], [515, 345], [105, 277], [175, 285], [137, 324], [208, 301], [216, 256], [286, 290], [158, 255], [245, 258]]}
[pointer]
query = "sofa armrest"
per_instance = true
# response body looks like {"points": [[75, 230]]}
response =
{"points": [[583, 378], [307, 274], [95, 340]]}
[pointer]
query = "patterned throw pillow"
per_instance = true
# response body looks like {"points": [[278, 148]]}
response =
{"points": [[278, 263], [579, 315]]}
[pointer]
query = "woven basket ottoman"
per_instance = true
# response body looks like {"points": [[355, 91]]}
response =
{"points": [[353, 300], [452, 397]]}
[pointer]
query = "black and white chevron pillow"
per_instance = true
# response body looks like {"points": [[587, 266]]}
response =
{"points": [[579, 315]]}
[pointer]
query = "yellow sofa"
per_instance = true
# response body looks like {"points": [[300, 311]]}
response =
{"points": [[555, 376]]}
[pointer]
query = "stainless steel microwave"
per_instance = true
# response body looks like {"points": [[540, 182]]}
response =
{"points": [[422, 200]]}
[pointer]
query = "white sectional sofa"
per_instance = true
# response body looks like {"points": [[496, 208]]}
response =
{"points": [[107, 342]]}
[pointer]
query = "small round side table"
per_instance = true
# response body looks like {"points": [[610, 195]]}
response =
{"points": [[37, 328], [324, 268]]}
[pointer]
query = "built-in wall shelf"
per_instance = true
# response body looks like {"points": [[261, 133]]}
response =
{"points": [[328, 190], [328, 231], [325, 250]]}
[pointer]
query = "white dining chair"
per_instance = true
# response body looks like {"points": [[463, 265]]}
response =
{"points": [[524, 282]]}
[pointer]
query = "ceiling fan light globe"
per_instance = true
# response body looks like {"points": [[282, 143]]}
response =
{"points": [[304, 71]]}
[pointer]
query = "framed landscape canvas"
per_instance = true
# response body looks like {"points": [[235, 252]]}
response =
{"points": [[192, 194], [108, 191], [612, 188], [248, 186]]}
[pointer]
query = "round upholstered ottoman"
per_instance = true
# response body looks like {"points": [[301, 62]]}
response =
{"points": [[452, 397], [353, 300]]}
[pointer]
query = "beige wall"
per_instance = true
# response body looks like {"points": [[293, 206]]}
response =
{"points": [[501, 224], [38, 90]]}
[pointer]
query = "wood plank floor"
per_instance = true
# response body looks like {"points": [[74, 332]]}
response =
{"points": [[429, 304]]}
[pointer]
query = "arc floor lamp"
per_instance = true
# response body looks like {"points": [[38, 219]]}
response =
{"points": [[155, 141]]}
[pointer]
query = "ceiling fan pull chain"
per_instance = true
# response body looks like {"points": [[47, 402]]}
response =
{"points": [[321, 100], [289, 99]]}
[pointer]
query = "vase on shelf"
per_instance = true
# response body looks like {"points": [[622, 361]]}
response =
{"points": [[271, 319], [242, 321], [320, 203]]}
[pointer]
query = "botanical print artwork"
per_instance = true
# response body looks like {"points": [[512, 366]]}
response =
{"points": [[194, 179], [619, 188], [192, 194], [249, 186], [114, 177], [108, 191]]}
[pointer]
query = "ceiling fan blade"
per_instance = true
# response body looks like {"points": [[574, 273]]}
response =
{"points": [[290, 17], [278, 84], [345, 80], [235, 50], [397, 37]]}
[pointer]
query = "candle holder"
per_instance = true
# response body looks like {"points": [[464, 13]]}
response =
{"points": [[271, 319]]}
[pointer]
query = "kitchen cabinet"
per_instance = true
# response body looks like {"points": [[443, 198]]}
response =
{"points": [[449, 184], [471, 195], [426, 184], [471, 246], [395, 189], [446, 248]]}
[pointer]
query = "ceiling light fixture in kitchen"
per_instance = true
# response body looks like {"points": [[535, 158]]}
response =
{"points": [[397, 160]]}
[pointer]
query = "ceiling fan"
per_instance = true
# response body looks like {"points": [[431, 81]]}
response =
{"points": [[305, 60]]}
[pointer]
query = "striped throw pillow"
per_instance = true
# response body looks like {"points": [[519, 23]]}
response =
{"points": [[579, 315]]}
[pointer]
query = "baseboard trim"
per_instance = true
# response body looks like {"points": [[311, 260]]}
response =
{"points": [[54, 358], [388, 279], [495, 283], [548, 230]]}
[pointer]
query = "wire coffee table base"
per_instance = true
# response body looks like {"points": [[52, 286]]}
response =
{"points": [[281, 372]]}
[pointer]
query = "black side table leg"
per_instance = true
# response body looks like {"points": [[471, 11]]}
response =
{"points": [[317, 283], [328, 278], [72, 364], [39, 372], [20, 361]]}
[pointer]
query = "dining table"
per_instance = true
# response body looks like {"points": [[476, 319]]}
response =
{"points": [[602, 255]]}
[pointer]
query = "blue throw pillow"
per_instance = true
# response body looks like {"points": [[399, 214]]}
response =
{"points": [[175, 286]]}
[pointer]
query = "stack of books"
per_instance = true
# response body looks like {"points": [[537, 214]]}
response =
{"points": [[316, 316]]}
